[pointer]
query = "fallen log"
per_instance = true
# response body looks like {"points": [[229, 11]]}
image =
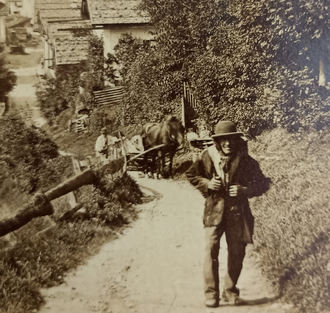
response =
{"points": [[40, 205]]}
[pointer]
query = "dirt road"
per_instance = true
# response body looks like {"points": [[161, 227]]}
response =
{"points": [[155, 266], [24, 94]]}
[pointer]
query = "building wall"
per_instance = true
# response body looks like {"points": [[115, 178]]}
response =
{"points": [[26, 8], [111, 36], [2, 29], [48, 58]]}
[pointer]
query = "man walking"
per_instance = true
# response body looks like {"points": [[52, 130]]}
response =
{"points": [[226, 176]]}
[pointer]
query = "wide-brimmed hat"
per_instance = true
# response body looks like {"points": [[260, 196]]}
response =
{"points": [[225, 128]]}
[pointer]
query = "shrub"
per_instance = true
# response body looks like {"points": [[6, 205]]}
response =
{"points": [[111, 201]]}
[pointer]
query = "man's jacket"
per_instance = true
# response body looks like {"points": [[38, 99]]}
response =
{"points": [[243, 170]]}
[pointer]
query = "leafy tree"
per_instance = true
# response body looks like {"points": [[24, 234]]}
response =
{"points": [[251, 62], [27, 151], [7, 77]]}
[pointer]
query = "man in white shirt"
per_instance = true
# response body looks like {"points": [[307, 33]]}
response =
{"points": [[103, 142]]}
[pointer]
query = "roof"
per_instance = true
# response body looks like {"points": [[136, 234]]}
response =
{"points": [[53, 27], [114, 12], [109, 96], [70, 50], [17, 21], [51, 9], [60, 13]]}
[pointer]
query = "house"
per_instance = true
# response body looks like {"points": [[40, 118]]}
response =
{"points": [[3, 14], [55, 19], [115, 18], [21, 7]]}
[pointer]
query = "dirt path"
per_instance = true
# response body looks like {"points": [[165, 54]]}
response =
{"points": [[156, 265], [24, 93]]}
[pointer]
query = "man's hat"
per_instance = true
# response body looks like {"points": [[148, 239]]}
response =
{"points": [[225, 128]]}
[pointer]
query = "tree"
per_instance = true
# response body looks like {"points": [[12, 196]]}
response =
{"points": [[251, 62], [7, 77]]}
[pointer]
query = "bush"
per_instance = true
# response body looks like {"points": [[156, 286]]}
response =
{"points": [[110, 202], [29, 154]]}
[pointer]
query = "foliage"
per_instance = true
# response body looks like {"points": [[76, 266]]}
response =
{"points": [[43, 261], [292, 218], [151, 91], [255, 63], [29, 153], [108, 201], [104, 117], [55, 95], [7, 77]]}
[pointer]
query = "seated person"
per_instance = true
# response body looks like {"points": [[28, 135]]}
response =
{"points": [[191, 135], [103, 142]]}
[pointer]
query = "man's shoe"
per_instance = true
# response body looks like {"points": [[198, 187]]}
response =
{"points": [[230, 296], [212, 303]]}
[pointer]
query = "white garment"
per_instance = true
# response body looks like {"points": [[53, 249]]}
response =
{"points": [[219, 162], [192, 136], [137, 143], [130, 147], [103, 142]]}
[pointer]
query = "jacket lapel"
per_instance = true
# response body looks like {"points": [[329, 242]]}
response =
{"points": [[233, 167]]}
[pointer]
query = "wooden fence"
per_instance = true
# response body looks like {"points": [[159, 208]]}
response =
{"points": [[189, 104]]}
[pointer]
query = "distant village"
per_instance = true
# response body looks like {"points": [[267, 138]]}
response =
{"points": [[30, 22]]}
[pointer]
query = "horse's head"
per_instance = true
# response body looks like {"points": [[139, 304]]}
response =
{"points": [[175, 130]]}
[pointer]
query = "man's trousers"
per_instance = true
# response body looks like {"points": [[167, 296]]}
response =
{"points": [[230, 225]]}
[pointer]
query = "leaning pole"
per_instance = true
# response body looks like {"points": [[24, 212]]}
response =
{"points": [[40, 205]]}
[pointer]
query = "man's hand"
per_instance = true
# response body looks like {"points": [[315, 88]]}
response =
{"points": [[237, 190], [214, 184]]}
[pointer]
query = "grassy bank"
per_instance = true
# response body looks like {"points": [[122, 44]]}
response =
{"points": [[42, 261], [29, 162], [293, 219]]}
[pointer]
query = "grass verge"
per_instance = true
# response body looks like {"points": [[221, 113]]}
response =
{"points": [[293, 217], [43, 261]]}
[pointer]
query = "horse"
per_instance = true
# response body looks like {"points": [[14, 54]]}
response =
{"points": [[171, 134]]}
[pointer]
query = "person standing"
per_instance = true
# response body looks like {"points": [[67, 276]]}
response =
{"points": [[226, 176]]}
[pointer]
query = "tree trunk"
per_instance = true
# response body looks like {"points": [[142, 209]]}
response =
{"points": [[40, 204]]}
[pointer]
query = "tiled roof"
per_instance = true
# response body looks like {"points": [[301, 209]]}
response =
{"points": [[53, 27], [60, 13], [114, 12], [56, 9], [70, 50]]}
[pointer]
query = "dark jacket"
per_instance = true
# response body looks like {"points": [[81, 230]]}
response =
{"points": [[243, 170]]}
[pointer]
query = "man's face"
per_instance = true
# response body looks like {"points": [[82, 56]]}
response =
{"points": [[228, 144]]}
